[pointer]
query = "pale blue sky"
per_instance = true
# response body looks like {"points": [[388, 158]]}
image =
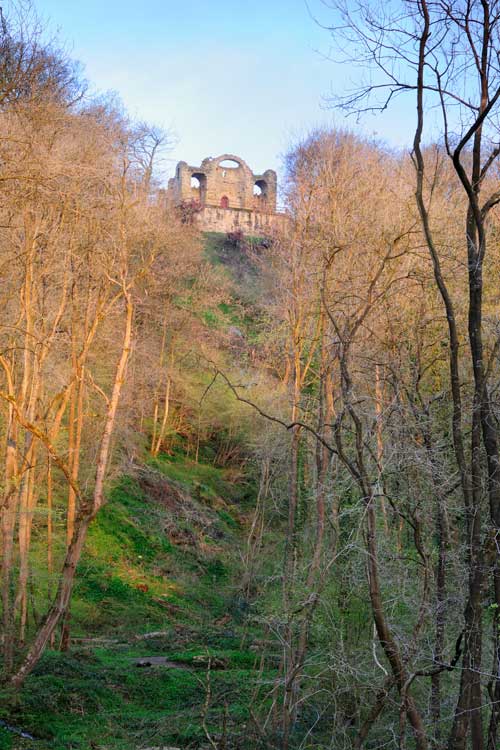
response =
{"points": [[223, 75]]}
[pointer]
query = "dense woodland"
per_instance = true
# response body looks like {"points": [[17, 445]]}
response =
{"points": [[250, 487]]}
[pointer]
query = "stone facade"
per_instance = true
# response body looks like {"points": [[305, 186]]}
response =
{"points": [[230, 196], [254, 223]]}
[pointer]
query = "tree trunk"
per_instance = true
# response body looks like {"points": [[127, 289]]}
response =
{"points": [[87, 513]]}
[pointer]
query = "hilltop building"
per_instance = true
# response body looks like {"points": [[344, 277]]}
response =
{"points": [[230, 197]]}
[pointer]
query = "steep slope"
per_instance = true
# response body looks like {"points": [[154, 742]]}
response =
{"points": [[162, 650], [165, 644]]}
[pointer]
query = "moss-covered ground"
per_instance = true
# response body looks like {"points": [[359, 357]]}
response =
{"points": [[159, 577]]}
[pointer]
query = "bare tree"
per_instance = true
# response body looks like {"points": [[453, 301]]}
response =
{"points": [[446, 55]]}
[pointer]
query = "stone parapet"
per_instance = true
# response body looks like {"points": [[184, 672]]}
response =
{"points": [[212, 219]]}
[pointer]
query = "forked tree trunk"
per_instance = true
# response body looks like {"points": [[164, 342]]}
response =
{"points": [[87, 513]]}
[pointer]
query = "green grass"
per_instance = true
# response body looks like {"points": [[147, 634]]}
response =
{"points": [[203, 480], [133, 579], [100, 699]]}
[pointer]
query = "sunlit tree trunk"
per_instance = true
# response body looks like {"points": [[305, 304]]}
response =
{"points": [[88, 511]]}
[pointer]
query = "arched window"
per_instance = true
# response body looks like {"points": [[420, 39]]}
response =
{"points": [[260, 189], [224, 202], [198, 186], [229, 164]]}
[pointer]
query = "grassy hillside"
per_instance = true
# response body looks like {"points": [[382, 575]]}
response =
{"points": [[165, 646], [159, 579]]}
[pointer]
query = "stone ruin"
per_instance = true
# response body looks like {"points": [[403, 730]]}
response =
{"points": [[227, 196]]}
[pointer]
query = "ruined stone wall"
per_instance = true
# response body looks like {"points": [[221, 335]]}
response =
{"points": [[213, 219], [231, 196], [227, 182]]}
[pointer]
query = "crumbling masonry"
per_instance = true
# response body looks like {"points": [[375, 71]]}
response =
{"points": [[230, 197]]}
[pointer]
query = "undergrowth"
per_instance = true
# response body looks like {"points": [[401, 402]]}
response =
{"points": [[162, 558]]}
